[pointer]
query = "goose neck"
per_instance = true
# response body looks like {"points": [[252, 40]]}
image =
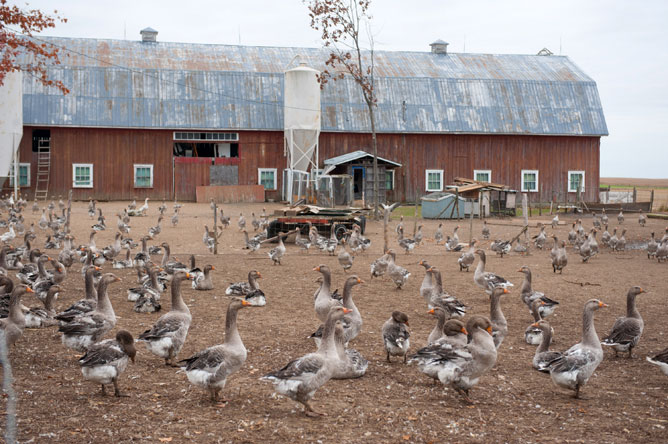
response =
{"points": [[177, 300], [231, 331]]}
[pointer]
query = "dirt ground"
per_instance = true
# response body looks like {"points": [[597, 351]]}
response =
{"points": [[644, 189], [626, 398]]}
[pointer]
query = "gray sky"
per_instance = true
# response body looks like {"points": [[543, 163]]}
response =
{"points": [[620, 44]]}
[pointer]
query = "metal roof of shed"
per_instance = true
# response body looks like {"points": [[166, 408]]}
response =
{"points": [[119, 83], [356, 155]]}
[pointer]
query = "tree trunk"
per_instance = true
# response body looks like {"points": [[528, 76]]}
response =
{"points": [[374, 144]]}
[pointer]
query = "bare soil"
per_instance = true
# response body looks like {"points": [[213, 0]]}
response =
{"points": [[626, 398]]}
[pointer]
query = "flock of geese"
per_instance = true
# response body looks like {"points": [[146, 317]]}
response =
{"points": [[458, 352]]}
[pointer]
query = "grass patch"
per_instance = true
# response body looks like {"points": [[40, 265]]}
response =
{"points": [[407, 211]]}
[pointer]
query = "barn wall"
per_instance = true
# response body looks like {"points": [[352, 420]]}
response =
{"points": [[114, 151]]}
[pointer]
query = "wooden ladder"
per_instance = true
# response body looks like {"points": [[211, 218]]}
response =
{"points": [[43, 168]]}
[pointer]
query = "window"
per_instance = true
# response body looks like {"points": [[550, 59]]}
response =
{"points": [[267, 177], [82, 175], [143, 175], [530, 180], [482, 175], [576, 179], [24, 175], [434, 180], [206, 136], [389, 179]]}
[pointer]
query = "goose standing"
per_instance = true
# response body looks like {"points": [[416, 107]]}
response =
{"points": [[539, 240], [621, 242], [169, 333], [379, 266], [543, 356], [252, 244], [40, 317], [437, 332], [210, 368], [277, 253], [498, 320], [345, 259], [398, 274], [400, 226], [485, 230], [405, 243], [438, 236], [301, 378], [589, 248], [662, 251], [501, 247], [555, 221], [13, 325], [573, 369], [652, 246], [467, 258], [627, 330], [323, 302], [605, 237], [303, 243], [87, 328], [642, 219], [439, 298], [486, 280], [427, 282], [396, 336], [460, 366], [86, 305], [175, 217], [573, 235], [533, 335], [104, 362], [529, 295], [351, 364], [604, 217], [612, 243], [241, 222], [620, 217]]}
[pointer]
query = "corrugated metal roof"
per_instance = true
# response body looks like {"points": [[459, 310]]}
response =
{"points": [[122, 83], [355, 155]]}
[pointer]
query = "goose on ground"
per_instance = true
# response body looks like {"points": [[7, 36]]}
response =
{"points": [[169, 333], [652, 246], [498, 320], [467, 258], [627, 330], [437, 332], [13, 325], [528, 294], [438, 236], [605, 237], [41, 317], [560, 260], [210, 368], [323, 302], [642, 219], [427, 283], [246, 289], [485, 230], [345, 259], [251, 244], [541, 237], [573, 369], [543, 356], [86, 305], [302, 377], [620, 217], [486, 280], [407, 244], [398, 274], [396, 336], [439, 298], [660, 359], [621, 242], [277, 253], [241, 222], [612, 243], [88, 328], [351, 364], [379, 266], [460, 366], [352, 322], [534, 335], [104, 361], [203, 281]]}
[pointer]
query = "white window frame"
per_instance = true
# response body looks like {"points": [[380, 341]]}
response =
{"points": [[488, 172], [385, 181], [134, 175], [571, 172], [259, 177], [426, 180], [74, 169], [524, 190], [11, 174]]}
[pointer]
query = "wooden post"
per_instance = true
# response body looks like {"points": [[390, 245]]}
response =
{"points": [[415, 216], [525, 207], [215, 228], [457, 202], [651, 200], [471, 222], [635, 194], [540, 194]]}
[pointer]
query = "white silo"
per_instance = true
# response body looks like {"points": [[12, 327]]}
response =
{"points": [[301, 129], [11, 124]]}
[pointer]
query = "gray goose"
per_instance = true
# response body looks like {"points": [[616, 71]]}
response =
{"points": [[169, 333], [302, 377], [575, 366], [88, 328], [86, 305], [104, 361], [642, 219], [627, 330], [437, 332], [323, 302], [427, 283], [345, 259], [621, 242], [534, 335], [351, 364], [438, 236], [277, 253], [352, 322], [560, 260], [210, 368], [13, 325], [660, 359], [543, 356], [652, 246], [439, 298], [398, 274], [529, 295], [203, 281], [379, 266], [467, 258], [486, 280], [40, 317], [485, 230], [396, 336], [498, 320], [460, 366]]}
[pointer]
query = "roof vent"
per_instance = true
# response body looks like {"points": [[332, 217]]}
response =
{"points": [[148, 35], [439, 47], [545, 52]]}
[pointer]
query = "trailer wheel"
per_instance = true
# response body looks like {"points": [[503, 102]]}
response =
{"points": [[340, 232]]}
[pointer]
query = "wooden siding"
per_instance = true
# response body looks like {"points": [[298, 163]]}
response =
{"points": [[114, 151]]}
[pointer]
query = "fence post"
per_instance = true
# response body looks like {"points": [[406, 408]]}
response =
{"points": [[7, 381], [215, 228], [651, 200], [635, 195]]}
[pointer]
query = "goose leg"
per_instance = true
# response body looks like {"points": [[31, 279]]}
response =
{"points": [[310, 412], [117, 391], [388, 360], [103, 391]]}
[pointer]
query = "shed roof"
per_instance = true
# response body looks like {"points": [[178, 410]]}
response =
{"points": [[122, 83], [356, 155]]}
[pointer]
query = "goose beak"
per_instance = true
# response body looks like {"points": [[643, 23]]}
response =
{"points": [[246, 303], [506, 291], [97, 268], [535, 324], [117, 279], [489, 329], [260, 275], [346, 311], [316, 269], [407, 324], [188, 275], [30, 290], [360, 281], [213, 268], [431, 312], [601, 304], [463, 330]]}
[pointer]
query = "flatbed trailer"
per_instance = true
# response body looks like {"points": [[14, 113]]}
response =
{"points": [[343, 220]]}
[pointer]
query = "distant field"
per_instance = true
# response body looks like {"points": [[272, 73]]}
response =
{"points": [[643, 188]]}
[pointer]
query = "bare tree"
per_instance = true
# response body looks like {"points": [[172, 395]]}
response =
{"points": [[343, 25]]}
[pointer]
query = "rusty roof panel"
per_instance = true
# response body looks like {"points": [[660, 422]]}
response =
{"points": [[180, 85]]}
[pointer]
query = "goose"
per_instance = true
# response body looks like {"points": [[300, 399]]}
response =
{"points": [[555, 221], [141, 211], [251, 244], [662, 251], [100, 225], [612, 243], [587, 250], [460, 366], [87, 328], [157, 229], [83, 306], [398, 274], [400, 226], [605, 237], [133, 204], [67, 254], [245, 288], [620, 217], [241, 222], [593, 244], [485, 230], [544, 356], [573, 369], [330, 244], [499, 323], [41, 286], [560, 261], [396, 336], [467, 258], [122, 226], [209, 240], [540, 238], [43, 223], [224, 220], [33, 272], [521, 247], [277, 253], [437, 332], [163, 207], [351, 364], [203, 281], [150, 287], [438, 236], [439, 298], [642, 219], [303, 243], [486, 280], [665, 236], [627, 330], [345, 259], [50, 244], [35, 206], [407, 244], [352, 322], [302, 377], [12, 326], [652, 246], [596, 222], [169, 333], [452, 244], [621, 242], [660, 359], [454, 333], [123, 263], [379, 266], [255, 222], [323, 301], [529, 295], [175, 218], [6, 295], [501, 247], [573, 235], [533, 335], [419, 236], [170, 265], [9, 235], [105, 361], [427, 282], [210, 368]]}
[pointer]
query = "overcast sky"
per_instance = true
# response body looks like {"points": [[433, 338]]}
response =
{"points": [[622, 45]]}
